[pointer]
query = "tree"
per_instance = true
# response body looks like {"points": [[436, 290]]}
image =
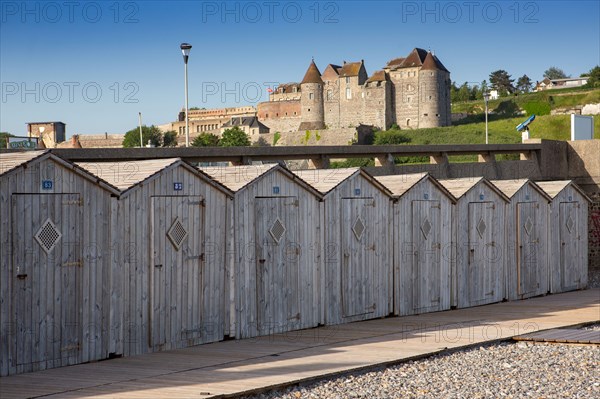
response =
{"points": [[170, 139], [234, 137], [593, 77], [524, 84], [3, 137], [453, 92], [474, 94], [206, 140], [149, 133], [463, 92], [501, 81], [555, 73]]}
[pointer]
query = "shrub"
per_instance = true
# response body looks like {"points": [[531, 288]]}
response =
{"points": [[537, 108]]}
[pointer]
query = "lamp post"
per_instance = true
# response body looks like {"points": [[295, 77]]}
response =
{"points": [[141, 139], [185, 49], [486, 97]]}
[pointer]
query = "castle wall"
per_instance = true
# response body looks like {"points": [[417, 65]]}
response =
{"points": [[406, 82], [351, 101], [331, 103], [376, 104], [280, 116]]}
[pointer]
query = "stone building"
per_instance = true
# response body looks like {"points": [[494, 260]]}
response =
{"points": [[50, 133], [248, 124], [412, 92], [207, 120]]}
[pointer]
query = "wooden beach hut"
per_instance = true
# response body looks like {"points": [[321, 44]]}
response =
{"points": [[57, 264], [357, 278], [277, 257], [479, 232], [172, 224], [526, 237], [568, 235], [422, 225]]}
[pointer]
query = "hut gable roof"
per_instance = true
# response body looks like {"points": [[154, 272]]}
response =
{"points": [[400, 184], [511, 187], [12, 160], [327, 180], [553, 188], [126, 175], [237, 178], [460, 187]]}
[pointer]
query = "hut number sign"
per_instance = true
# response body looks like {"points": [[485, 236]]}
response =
{"points": [[177, 186], [47, 184]]}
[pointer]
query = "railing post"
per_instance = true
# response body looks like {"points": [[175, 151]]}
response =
{"points": [[321, 162]]}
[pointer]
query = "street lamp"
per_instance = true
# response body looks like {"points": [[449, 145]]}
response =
{"points": [[486, 97], [185, 49]]}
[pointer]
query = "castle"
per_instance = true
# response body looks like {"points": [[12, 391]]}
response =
{"points": [[412, 92]]}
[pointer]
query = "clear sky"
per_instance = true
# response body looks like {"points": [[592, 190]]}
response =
{"points": [[95, 65]]}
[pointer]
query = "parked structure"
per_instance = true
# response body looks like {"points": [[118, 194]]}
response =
{"points": [[277, 257], [56, 264], [357, 245], [422, 225], [526, 238], [172, 222], [568, 235], [478, 226]]}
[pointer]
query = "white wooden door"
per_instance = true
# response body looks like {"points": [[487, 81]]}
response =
{"points": [[177, 245], [277, 264], [483, 272], [358, 255], [529, 258], [46, 276], [425, 262], [570, 245]]}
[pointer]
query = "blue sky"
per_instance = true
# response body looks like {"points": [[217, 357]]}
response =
{"points": [[95, 65]]}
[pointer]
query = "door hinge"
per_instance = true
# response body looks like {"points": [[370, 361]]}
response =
{"points": [[78, 202], [201, 203], [78, 263]]}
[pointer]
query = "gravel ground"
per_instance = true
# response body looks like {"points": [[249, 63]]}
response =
{"points": [[594, 278], [505, 370]]}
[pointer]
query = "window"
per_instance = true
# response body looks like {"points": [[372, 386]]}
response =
{"points": [[294, 112], [425, 114], [348, 94], [266, 116], [347, 79], [408, 99], [310, 96], [329, 94], [430, 97], [408, 122], [295, 89], [309, 110]]}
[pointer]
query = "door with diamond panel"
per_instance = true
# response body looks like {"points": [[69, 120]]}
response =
{"points": [[426, 245], [529, 265], [569, 245], [277, 264], [177, 284], [47, 272], [483, 274], [358, 256]]}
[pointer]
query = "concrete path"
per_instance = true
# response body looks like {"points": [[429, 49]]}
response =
{"points": [[232, 367]]}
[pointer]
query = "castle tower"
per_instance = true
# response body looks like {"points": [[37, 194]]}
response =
{"points": [[434, 93], [311, 99]]}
